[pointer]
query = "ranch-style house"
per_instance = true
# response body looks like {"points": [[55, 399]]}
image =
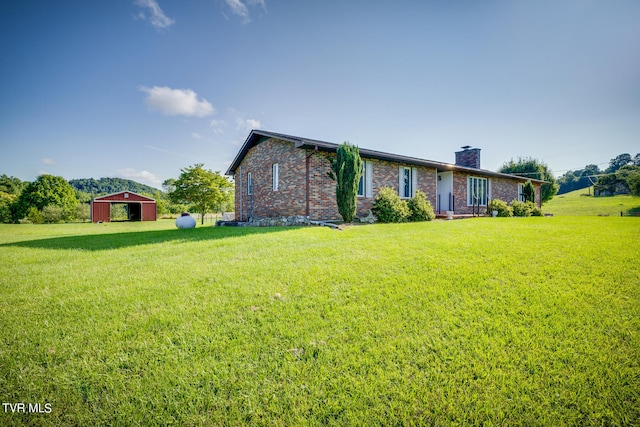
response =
{"points": [[279, 175]]}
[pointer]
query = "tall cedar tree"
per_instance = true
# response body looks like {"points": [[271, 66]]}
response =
{"points": [[529, 192], [346, 169], [207, 191]]}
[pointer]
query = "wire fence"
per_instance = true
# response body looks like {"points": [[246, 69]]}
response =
{"points": [[211, 218]]}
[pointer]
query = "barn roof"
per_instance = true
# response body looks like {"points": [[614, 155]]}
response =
{"points": [[120, 196], [258, 136]]}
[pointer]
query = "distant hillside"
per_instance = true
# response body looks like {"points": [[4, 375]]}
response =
{"points": [[579, 203], [97, 187]]}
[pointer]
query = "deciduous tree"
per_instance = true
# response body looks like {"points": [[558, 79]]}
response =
{"points": [[533, 169], [202, 188], [47, 190], [618, 162]]}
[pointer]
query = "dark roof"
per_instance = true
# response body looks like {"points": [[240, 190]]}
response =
{"points": [[257, 136]]}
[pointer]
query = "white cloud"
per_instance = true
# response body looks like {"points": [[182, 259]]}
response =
{"points": [[239, 8], [248, 124], [175, 102], [218, 126], [136, 175], [156, 16], [48, 161], [242, 124], [196, 135]]}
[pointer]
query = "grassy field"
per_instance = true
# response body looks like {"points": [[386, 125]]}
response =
{"points": [[579, 203], [493, 321]]}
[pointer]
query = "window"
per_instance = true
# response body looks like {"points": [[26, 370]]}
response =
{"points": [[477, 191], [520, 192], [365, 185], [407, 182], [249, 184], [275, 176], [362, 183]]}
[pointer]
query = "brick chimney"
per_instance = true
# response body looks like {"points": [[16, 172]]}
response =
{"points": [[468, 157]]}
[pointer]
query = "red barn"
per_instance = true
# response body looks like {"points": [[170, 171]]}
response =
{"points": [[139, 208]]}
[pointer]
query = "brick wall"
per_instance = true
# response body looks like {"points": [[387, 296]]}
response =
{"points": [[322, 189], [460, 194], [291, 197], [469, 158], [501, 188], [504, 189]]}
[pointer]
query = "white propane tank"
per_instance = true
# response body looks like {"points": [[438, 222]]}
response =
{"points": [[185, 221]]}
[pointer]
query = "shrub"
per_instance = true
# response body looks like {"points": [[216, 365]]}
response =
{"points": [[501, 206], [525, 209], [389, 207], [536, 211], [34, 216], [420, 208], [83, 212], [520, 208], [52, 214]]}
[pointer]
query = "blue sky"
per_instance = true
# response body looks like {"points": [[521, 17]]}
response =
{"points": [[142, 88]]}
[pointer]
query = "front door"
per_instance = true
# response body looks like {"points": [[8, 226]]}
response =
{"points": [[445, 192]]}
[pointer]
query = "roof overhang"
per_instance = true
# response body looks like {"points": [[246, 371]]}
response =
{"points": [[257, 136]]}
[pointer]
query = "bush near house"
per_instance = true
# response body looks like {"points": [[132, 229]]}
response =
{"points": [[501, 206], [525, 208], [520, 208], [517, 208], [420, 208], [389, 207]]}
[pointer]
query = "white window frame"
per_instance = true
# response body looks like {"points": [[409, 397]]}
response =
{"points": [[249, 184], [520, 192], [362, 184], [413, 181], [473, 185], [274, 170], [365, 185]]}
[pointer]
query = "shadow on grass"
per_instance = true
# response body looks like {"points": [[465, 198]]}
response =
{"points": [[101, 242]]}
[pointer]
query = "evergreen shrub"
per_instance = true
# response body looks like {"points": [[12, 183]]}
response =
{"points": [[520, 208], [420, 208], [389, 207], [501, 206]]}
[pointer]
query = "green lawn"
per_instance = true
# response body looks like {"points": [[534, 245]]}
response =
{"points": [[580, 203], [494, 321]]}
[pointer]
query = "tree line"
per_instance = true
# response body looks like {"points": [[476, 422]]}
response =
{"points": [[52, 199], [620, 177]]}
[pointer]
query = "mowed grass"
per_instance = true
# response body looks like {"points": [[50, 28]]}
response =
{"points": [[580, 203], [494, 321]]}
